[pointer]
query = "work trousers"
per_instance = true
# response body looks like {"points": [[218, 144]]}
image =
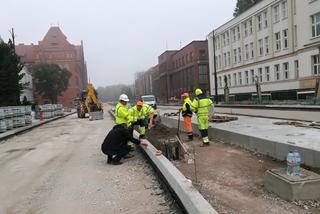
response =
{"points": [[117, 155], [188, 126], [203, 124]]}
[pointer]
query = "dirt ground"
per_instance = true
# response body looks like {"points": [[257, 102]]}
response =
{"points": [[231, 178]]}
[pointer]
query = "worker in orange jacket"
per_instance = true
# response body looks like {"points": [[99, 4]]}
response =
{"points": [[187, 114]]}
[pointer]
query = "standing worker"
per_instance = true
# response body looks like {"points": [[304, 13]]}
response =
{"points": [[187, 114], [201, 105], [121, 113]]}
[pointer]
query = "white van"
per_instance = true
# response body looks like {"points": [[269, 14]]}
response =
{"points": [[150, 100]]}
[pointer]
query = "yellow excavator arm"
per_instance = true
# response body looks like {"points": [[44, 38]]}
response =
{"points": [[92, 98]]}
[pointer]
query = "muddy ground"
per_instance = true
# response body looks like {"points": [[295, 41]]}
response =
{"points": [[231, 178]]}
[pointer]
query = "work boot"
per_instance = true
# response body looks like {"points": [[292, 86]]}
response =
{"points": [[205, 144], [116, 163], [190, 137], [129, 155], [110, 159]]}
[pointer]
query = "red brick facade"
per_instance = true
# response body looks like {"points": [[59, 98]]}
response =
{"points": [[179, 71], [55, 49]]}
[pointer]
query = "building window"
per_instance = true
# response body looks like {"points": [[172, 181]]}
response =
{"points": [[245, 29], [252, 76], [295, 36], [234, 35], [229, 79], [235, 79], [316, 65], [247, 51], [239, 54], [252, 50], [203, 73], [277, 72], [315, 25], [267, 73], [260, 43], [224, 39], [220, 82], [191, 56], [187, 58], [225, 59], [247, 77], [276, 14], [220, 62], [240, 78], [284, 7], [239, 33], [296, 68], [259, 22], [265, 18], [229, 58], [285, 70], [250, 26], [183, 60], [285, 38], [266, 44], [278, 41], [260, 74], [228, 38], [235, 57]]}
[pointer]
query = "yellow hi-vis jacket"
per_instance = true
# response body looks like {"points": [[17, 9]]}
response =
{"points": [[187, 109], [135, 114], [201, 105], [147, 109], [121, 114]]}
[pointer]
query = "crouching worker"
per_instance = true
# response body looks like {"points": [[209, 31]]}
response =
{"points": [[115, 145]]}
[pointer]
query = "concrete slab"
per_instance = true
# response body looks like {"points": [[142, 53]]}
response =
{"points": [[261, 135], [16, 131], [305, 187]]}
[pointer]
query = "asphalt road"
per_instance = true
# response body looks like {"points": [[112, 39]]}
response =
{"points": [[59, 168]]}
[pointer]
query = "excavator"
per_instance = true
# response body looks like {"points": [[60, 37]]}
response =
{"points": [[88, 102]]}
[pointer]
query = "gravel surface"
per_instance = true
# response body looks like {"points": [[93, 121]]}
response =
{"points": [[59, 168]]}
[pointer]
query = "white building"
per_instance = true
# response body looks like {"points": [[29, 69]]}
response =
{"points": [[276, 41], [28, 90]]}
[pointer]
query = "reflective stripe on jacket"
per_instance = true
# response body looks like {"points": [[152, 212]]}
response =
{"points": [[201, 105]]}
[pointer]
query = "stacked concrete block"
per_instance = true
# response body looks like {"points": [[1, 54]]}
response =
{"points": [[48, 111], [14, 117]]}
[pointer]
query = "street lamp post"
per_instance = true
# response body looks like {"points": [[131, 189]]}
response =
{"points": [[216, 97]]}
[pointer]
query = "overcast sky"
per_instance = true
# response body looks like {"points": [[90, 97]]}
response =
{"points": [[120, 37]]}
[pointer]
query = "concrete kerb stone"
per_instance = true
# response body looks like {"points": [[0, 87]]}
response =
{"points": [[278, 150], [188, 196], [30, 127]]}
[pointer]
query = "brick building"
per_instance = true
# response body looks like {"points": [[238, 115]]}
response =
{"points": [[178, 71], [55, 49]]}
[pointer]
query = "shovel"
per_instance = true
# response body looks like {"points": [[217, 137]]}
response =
{"points": [[178, 131]]}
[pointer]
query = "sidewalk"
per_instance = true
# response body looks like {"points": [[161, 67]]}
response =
{"points": [[35, 123], [260, 135]]}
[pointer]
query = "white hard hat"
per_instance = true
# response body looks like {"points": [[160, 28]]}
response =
{"points": [[124, 97]]}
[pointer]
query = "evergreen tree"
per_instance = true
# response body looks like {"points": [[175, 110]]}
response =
{"points": [[50, 80], [243, 5], [10, 67]]}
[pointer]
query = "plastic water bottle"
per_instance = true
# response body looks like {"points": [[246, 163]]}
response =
{"points": [[290, 163], [296, 168]]}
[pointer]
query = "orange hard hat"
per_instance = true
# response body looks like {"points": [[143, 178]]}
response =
{"points": [[139, 103], [185, 94]]}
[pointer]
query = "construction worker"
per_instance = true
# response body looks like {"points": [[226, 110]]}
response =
{"points": [[138, 114], [115, 145], [123, 117], [149, 115], [187, 114], [121, 113], [201, 105]]}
